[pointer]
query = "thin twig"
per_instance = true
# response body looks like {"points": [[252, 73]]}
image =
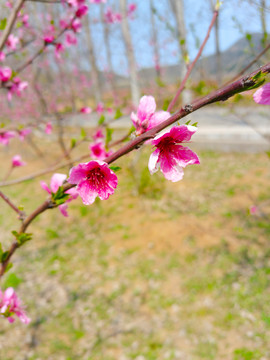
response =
{"points": [[14, 207], [190, 68]]}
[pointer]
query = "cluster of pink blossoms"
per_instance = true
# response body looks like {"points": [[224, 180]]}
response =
{"points": [[95, 178], [10, 305]]}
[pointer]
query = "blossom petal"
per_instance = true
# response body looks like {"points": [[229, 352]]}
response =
{"points": [[153, 164], [158, 118], [262, 95], [86, 192], [147, 107], [45, 187], [77, 173], [57, 180], [63, 209]]}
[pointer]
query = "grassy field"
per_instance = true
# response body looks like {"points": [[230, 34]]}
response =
{"points": [[159, 271]]}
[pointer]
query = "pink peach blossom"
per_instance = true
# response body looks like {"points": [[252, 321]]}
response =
{"points": [[76, 25], [262, 95], [98, 151], [5, 73], [86, 110], [12, 42], [82, 11], [111, 17], [57, 180], [10, 305], [93, 179], [98, 135], [98, 1], [170, 155], [6, 136], [146, 117], [17, 161]]}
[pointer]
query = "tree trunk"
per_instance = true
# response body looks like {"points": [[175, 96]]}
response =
{"points": [[134, 84]]}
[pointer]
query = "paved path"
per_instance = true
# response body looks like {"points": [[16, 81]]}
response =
{"points": [[219, 128]]}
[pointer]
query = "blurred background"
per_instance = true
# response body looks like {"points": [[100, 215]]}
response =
{"points": [[161, 270]]}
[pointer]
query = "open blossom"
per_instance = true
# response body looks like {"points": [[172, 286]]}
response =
{"points": [[98, 135], [76, 25], [262, 95], [93, 179], [12, 42], [17, 161], [170, 156], [5, 73], [146, 117], [98, 151], [10, 305], [86, 110], [6, 136], [57, 180]]}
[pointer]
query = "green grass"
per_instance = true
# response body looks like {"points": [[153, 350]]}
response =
{"points": [[159, 271]]}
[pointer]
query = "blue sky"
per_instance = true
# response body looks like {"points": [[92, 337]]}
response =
{"points": [[236, 19]]}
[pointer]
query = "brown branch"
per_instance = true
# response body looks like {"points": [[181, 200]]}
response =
{"points": [[14, 207], [10, 23], [221, 94], [190, 68]]}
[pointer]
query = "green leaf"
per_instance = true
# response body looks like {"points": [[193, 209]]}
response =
{"points": [[1, 251], [248, 37], [59, 197], [22, 237], [109, 133], [195, 124], [101, 120], [115, 168], [73, 143], [3, 24], [83, 133], [4, 256], [9, 266], [118, 114], [187, 122], [12, 280]]}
